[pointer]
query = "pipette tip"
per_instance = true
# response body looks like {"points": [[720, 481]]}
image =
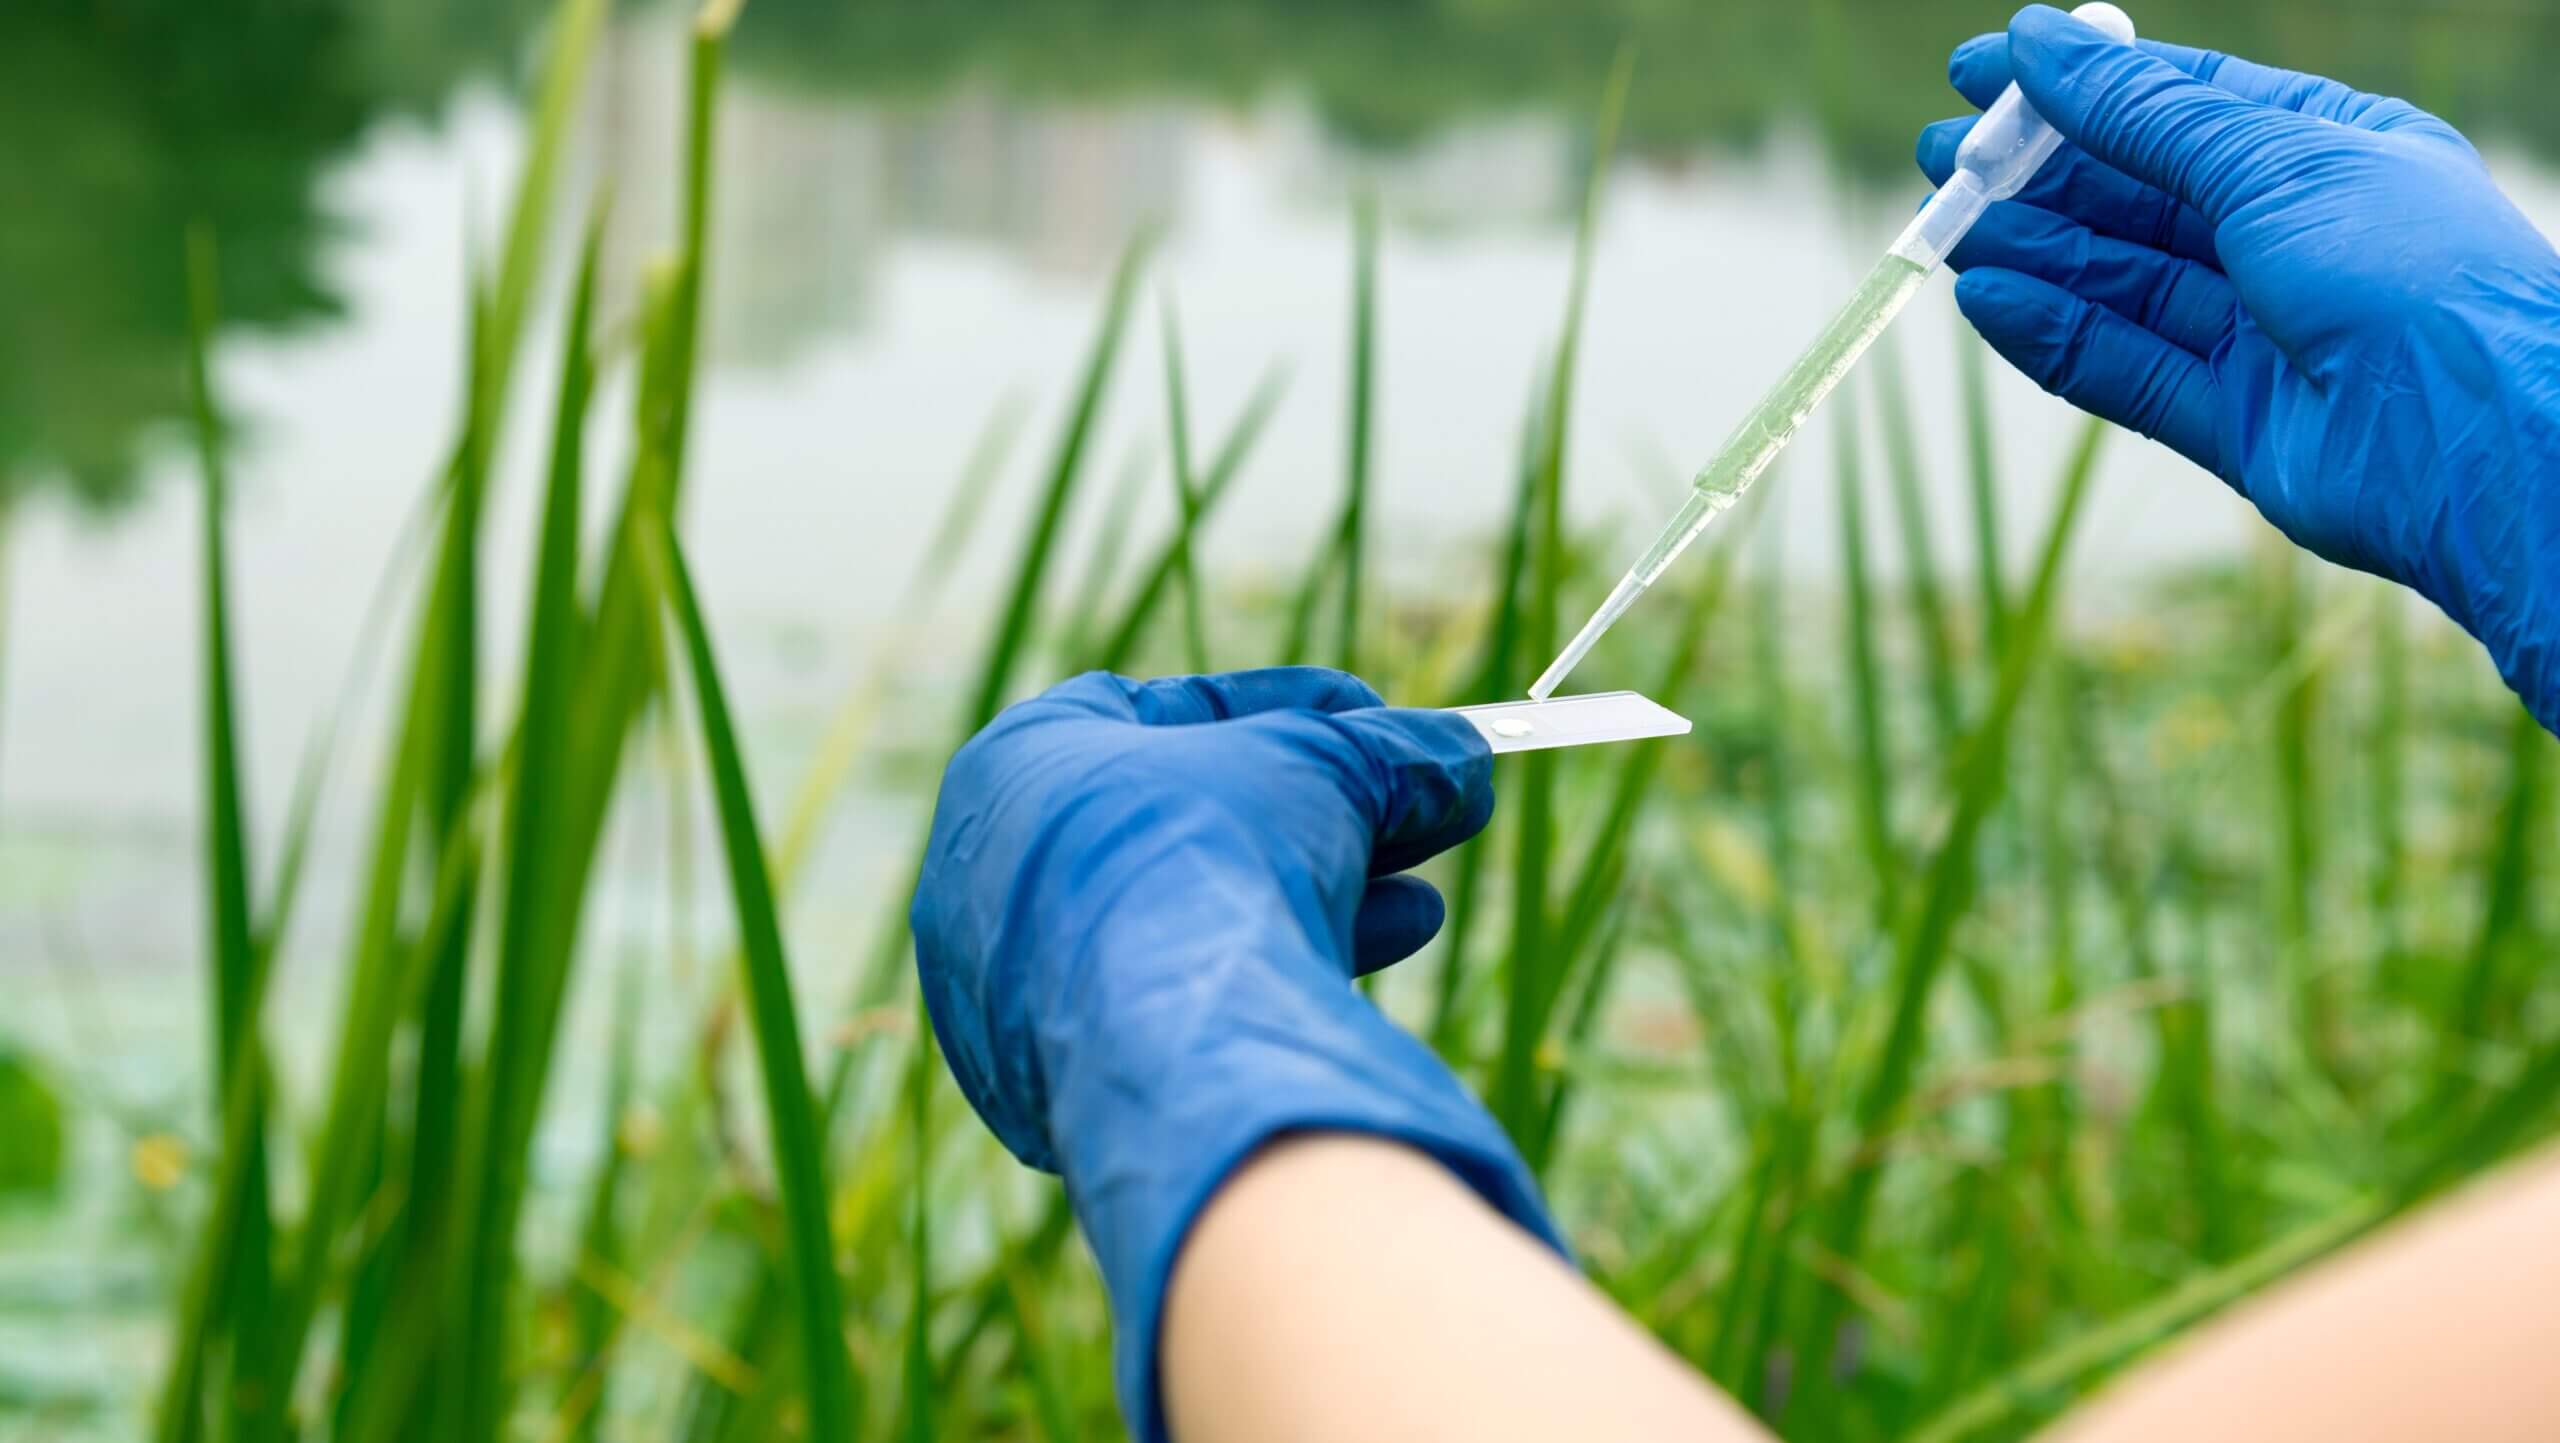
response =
{"points": [[1621, 597]]}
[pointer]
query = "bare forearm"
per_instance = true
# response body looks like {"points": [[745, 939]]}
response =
{"points": [[2447, 1327], [1350, 1289]]}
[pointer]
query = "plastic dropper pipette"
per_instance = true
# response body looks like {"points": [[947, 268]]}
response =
{"points": [[1995, 162]]}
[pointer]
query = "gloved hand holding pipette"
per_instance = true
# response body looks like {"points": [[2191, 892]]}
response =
{"points": [[2318, 295], [1995, 159]]}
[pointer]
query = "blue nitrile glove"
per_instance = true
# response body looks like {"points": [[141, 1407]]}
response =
{"points": [[1140, 915], [2316, 294]]}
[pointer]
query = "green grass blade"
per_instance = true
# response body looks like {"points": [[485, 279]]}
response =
{"points": [[2505, 915], [1919, 552], [1354, 543], [1028, 1254], [242, 1306], [1126, 634], [1039, 1370], [442, 743], [1195, 640], [272, 923], [179, 1412], [601, 1241], [1722, 1358], [2315, 988], [2007, 1406], [967, 504], [2191, 1077], [878, 977], [2526, 1102], [1343, 550], [1981, 447], [1101, 569], [1924, 940], [445, 721], [2505, 908], [375, 999], [442, 740], [1589, 895], [1515, 1094], [1798, 1131], [1498, 667], [917, 1408], [799, 1147], [1866, 681], [1777, 762], [839, 750], [284, 890], [2057, 866], [713, 1412], [1066, 469], [226, 841], [537, 915], [1598, 882], [382, 1398], [576, 26], [2183, 1029], [623, 665], [1607, 935], [2387, 760], [1493, 674], [1307, 602], [666, 392]]}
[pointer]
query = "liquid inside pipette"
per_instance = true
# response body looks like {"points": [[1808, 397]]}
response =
{"points": [[1995, 160], [1755, 443]]}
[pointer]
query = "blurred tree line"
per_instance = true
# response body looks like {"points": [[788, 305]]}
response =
{"points": [[124, 119], [1390, 71]]}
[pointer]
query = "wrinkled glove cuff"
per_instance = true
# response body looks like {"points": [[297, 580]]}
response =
{"points": [[1137, 1194], [2531, 666]]}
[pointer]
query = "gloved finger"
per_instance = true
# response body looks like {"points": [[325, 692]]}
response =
{"points": [[1183, 700], [2097, 360], [2205, 146], [2102, 198], [1187, 700], [2314, 95], [1424, 780], [2189, 305], [1979, 70], [1397, 916]]}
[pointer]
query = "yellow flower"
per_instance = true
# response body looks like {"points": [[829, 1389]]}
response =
{"points": [[159, 1161], [2196, 724]]}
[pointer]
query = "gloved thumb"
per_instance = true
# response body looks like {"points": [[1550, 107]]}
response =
{"points": [[2147, 118], [1424, 779], [1397, 916]]}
